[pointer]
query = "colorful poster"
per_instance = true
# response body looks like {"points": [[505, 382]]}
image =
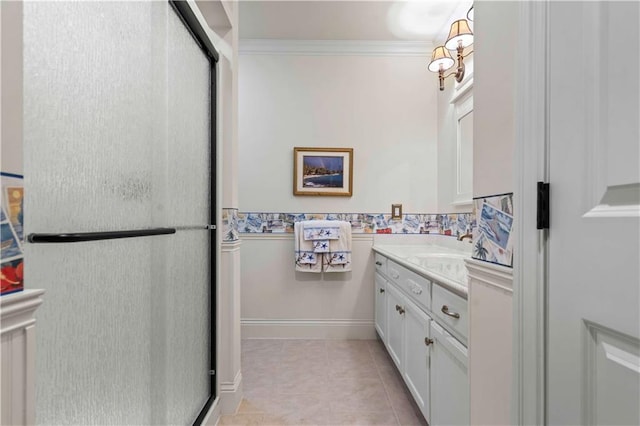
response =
{"points": [[492, 240], [11, 234]]}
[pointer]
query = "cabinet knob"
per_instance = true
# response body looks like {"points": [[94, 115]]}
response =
{"points": [[382, 290], [445, 310], [378, 263], [428, 341]]}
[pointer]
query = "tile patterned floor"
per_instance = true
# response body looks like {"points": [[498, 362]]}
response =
{"points": [[321, 382]]}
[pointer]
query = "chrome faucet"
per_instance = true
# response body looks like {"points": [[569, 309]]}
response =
{"points": [[467, 235]]}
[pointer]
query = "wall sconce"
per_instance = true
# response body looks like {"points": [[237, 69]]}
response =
{"points": [[460, 36]]}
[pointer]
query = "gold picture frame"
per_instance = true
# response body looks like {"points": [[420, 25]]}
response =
{"points": [[323, 171]]}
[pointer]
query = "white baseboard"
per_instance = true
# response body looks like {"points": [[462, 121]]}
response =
{"points": [[231, 395], [253, 328]]}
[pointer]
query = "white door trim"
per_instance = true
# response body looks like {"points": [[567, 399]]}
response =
{"points": [[531, 166]]}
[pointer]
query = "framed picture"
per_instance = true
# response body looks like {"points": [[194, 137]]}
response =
{"points": [[323, 171]]}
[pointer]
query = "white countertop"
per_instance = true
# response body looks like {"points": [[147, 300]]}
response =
{"points": [[442, 265]]}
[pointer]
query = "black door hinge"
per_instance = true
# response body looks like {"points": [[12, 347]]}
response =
{"points": [[543, 206]]}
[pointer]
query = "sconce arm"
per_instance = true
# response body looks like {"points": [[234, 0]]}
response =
{"points": [[450, 74]]}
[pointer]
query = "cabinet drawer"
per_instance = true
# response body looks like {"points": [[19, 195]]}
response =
{"points": [[394, 271], [380, 263], [451, 310], [417, 287]]}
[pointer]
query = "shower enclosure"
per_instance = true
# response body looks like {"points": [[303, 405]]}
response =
{"points": [[119, 128]]}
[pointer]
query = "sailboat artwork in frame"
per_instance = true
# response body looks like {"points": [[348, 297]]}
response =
{"points": [[323, 171]]}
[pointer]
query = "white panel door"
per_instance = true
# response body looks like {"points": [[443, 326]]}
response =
{"points": [[381, 307], [416, 355], [593, 365], [395, 325]]}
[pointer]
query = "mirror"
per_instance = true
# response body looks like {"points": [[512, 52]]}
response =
{"points": [[463, 188]]}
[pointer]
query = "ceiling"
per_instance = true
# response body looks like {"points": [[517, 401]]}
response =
{"points": [[417, 20]]}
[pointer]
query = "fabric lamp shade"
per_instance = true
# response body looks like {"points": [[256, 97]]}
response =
{"points": [[459, 32], [440, 56]]}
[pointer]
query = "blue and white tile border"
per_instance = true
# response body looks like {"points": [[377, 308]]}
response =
{"points": [[492, 237], [452, 224], [229, 225]]}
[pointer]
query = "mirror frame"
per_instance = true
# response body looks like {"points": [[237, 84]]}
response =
{"points": [[463, 106]]}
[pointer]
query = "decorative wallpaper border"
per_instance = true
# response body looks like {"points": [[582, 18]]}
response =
{"points": [[229, 225], [492, 237], [453, 224]]}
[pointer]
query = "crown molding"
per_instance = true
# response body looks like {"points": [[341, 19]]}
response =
{"points": [[334, 47]]}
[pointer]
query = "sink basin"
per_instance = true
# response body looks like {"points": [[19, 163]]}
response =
{"points": [[447, 265], [444, 262], [407, 251], [452, 256]]}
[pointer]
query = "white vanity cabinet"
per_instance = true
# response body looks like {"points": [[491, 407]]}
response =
{"points": [[416, 355], [424, 328], [18, 366], [395, 325], [449, 381], [407, 341], [381, 306]]}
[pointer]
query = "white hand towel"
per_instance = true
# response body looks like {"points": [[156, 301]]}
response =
{"points": [[321, 229], [305, 259], [339, 257]]}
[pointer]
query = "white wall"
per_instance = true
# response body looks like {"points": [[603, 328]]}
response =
{"points": [[280, 302], [223, 22], [490, 339], [384, 107], [494, 96], [11, 86]]}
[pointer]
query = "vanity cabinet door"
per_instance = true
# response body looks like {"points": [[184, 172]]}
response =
{"points": [[381, 307], [449, 380], [417, 351], [395, 325]]}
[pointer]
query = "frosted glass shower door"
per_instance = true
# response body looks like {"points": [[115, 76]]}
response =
{"points": [[117, 137], [189, 135]]}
